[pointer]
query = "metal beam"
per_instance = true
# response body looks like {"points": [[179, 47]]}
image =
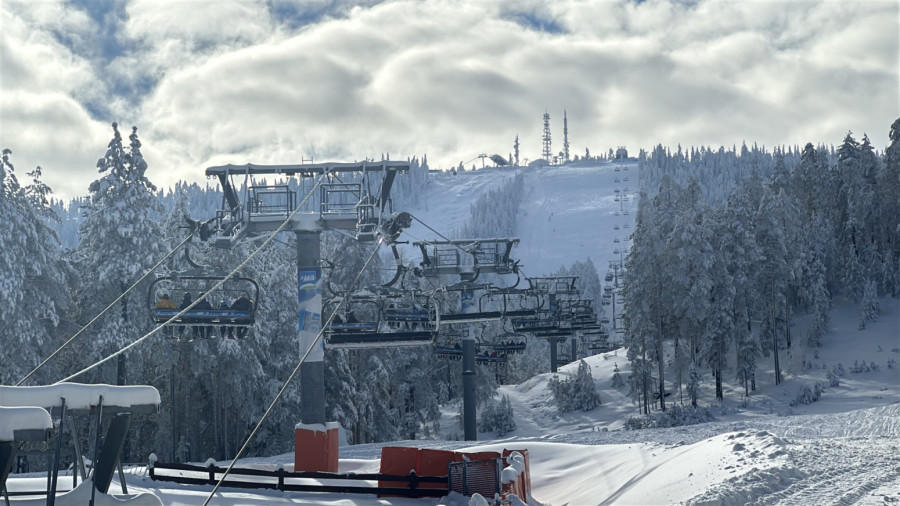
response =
{"points": [[309, 169]]}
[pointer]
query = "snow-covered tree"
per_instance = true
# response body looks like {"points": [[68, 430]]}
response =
{"points": [[869, 306], [33, 286], [498, 417], [575, 393], [120, 239], [616, 381]]}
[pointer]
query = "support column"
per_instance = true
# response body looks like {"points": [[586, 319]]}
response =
{"points": [[553, 361], [468, 349], [312, 371]]}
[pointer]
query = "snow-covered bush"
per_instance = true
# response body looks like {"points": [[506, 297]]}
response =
{"points": [[869, 307], [860, 367], [617, 380], [834, 379], [675, 416], [891, 363], [808, 395], [498, 417], [575, 393]]}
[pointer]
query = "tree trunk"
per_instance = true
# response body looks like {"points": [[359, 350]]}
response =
{"points": [[662, 377], [775, 338], [719, 365]]}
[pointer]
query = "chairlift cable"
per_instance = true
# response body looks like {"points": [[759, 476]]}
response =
{"points": [[262, 246], [442, 236], [111, 304], [287, 382]]}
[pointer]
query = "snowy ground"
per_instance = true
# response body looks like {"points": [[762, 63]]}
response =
{"points": [[842, 449]]}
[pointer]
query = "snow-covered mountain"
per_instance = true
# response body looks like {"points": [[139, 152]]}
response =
{"points": [[567, 213]]}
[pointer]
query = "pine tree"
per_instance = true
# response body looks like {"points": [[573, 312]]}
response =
{"points": [[887, 224], [34, 284], [585, 396], [869, 307], [616, 380], [120, 239]]}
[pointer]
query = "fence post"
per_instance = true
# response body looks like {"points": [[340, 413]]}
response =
{"points": [[413, 480], [281, 477]]}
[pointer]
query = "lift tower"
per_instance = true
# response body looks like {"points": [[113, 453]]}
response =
{"points": [[467, 260], [350, 196]]}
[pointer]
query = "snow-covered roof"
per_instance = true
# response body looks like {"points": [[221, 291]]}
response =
{"points": [[24, 423], [81, 396]]}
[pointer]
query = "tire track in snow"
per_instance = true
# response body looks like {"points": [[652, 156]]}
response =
{"points": [[638, 478]]}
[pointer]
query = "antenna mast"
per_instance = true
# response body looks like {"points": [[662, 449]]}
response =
{"points": [[516, 146], [547, 154]]}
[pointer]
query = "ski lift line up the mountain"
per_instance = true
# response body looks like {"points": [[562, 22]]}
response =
{"points": [[390, 317], [211, 290]]}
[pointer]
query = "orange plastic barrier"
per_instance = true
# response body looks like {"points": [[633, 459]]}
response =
{"points": [[316, 448], [400, 460]]}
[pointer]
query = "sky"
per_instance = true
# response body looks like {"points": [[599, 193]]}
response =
{"points": [[209, 82]]}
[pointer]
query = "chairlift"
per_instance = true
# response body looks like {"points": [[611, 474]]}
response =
{"points": [[229, 311], [371, 320]]}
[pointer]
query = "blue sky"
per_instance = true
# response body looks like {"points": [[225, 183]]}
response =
{"points": [[277, 81]]}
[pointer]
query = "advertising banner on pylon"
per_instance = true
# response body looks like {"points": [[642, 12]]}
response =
{"points": [[310, 296]]}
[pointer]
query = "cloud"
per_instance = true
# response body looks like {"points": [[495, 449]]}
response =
{"points": [[211, 82]]}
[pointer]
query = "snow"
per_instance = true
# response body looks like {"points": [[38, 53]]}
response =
{"points": [[318, 427], [13, 419], [80, 396], [567, 213], [842, 449], [81, 495]]}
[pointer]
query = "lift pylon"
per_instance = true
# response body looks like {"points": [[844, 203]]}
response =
{"points": [[350, 196]]}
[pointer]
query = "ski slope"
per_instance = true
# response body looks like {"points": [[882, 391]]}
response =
{"points": [[568, 213]]}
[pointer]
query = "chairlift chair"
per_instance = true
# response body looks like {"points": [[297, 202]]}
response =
{"points": [[230, 312], [369, 320]]}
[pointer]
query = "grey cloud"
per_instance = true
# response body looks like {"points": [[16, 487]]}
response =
{"points": [[274, 82]]}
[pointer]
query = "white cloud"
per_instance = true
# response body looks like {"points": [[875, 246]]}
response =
{"points": [[231, 82]]}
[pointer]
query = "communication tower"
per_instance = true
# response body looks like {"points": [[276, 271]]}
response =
{"points": [[547, 153], [516, 146]]}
